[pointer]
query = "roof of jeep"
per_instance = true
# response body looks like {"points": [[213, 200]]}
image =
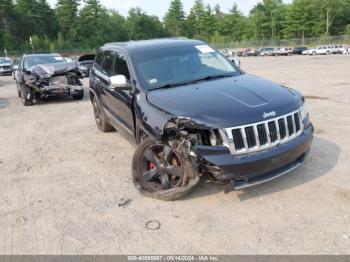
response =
{"points": [[134, 46]]}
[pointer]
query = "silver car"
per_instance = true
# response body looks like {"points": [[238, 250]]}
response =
{"points": [[5, 66]]}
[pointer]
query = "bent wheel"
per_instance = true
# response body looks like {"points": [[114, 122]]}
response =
{"points": [[159, 171]]}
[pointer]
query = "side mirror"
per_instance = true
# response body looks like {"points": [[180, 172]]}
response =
{"points": [[119, 82], [236, 61], [15, 67]]}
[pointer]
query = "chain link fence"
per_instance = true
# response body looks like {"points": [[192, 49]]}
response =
{"points": [[309, 42], [63, 52]]}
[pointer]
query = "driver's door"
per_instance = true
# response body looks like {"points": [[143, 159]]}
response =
{"points": [[120, 102]]}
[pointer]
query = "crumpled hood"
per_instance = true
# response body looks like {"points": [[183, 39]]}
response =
{"points": [[226, 102], [49, 70]]}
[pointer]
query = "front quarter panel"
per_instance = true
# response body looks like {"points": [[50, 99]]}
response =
{"points": [[150, 121]]}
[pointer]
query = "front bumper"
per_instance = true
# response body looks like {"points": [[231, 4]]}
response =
{"points": [[61, 89], [5, 71], [256, 168]]}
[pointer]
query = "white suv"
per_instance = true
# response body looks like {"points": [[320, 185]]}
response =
{"points": [[322, 50]]}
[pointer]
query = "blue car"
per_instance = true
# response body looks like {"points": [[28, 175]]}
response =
{"points": [[190, 112]]}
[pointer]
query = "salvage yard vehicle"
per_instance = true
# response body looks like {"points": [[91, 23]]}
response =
{"points": [[192, 112], [44, 75], [321, 50], [14, 68], [299, 50], [5, 66], [266, 51], [85, 64], [283, 51]]}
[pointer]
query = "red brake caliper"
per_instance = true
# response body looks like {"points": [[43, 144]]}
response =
{"points": [[151, 165]]}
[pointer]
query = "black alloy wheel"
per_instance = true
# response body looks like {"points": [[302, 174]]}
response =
{"points": [[163, 168], [161, 171]]}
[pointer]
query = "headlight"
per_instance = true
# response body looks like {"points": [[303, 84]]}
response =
{"points": [[303, 111]]}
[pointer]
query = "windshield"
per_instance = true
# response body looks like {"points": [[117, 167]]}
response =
{"points": [[5, 61], [40, 60], [172, 66]]}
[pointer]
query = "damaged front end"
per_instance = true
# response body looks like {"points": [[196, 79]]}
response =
{"points": [[54, 79], [211, 153]]}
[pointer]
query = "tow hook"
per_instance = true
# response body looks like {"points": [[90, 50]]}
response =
{"points": [[230, 186]]}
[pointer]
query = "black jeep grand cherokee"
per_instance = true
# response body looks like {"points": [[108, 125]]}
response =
{"points": [[191, 112]]}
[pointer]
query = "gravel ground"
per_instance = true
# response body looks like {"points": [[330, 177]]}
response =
{"points": [[61, 182]]}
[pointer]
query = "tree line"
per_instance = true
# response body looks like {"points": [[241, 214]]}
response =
{"points": [[66, 26]]}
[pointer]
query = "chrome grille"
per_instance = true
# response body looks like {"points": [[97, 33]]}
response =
{"points": [[5, 67], [263, 135]]}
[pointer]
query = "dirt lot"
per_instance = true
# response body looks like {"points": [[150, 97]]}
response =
{"points": [[61, 182]]}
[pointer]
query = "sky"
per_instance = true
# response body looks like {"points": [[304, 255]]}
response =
{"points": [[159, 7]]}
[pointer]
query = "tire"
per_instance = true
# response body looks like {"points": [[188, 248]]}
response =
{"points": [[178, 186], [79, 95], [26, 95], [18, 90], [328, 53], [314, 53], [100, 117]]}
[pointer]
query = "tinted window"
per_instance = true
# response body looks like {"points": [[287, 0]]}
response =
{"points": [[175, 65], [98, 60], [121, 66], [107, 63]]}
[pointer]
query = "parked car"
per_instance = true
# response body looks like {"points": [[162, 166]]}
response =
{"points": [[227, 52], [283, 51], [5, 66], [337, 49], [230, 56], [266, 51], [190, 112], [299, 50], [247, 52], [252, 52], [68, 59], [85, 64], [307, 52], [14, 68], [321, 50], [345, 50], [43, 75]]}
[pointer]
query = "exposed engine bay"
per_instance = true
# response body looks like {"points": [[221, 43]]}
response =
{"points": [[53, 79]]}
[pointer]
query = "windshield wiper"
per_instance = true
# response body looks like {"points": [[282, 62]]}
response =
{"points": [[206, 78]]}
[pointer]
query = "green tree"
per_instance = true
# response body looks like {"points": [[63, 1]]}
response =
{"points": [[142, 26], [114, 28], [300, 19], [234, 24], [334, 16], [90, 28], [67, 14], [8, 24], [208, 24], [268, 19], [194, 21], [175, 18]]}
